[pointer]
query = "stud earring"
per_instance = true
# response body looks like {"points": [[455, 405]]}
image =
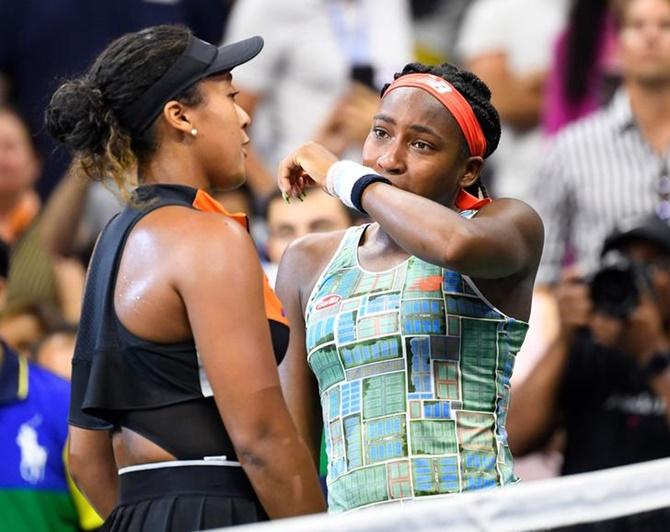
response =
{"points": [[194, 132]]}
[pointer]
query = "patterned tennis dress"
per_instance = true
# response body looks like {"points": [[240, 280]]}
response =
{"points": [[413, 366]]}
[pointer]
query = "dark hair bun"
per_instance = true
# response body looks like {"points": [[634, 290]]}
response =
{"points": [[76, 117]]}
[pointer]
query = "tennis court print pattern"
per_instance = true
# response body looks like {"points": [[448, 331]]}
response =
{"points": [[413, 370]]}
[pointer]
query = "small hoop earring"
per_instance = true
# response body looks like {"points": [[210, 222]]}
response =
{"points": [[194, 132]]}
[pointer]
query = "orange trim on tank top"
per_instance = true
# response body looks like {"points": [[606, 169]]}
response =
{"points": [[205, 202], [467, 202], [273, 307]]}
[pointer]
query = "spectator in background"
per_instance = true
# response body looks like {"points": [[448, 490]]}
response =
{"points": [[584, 72], [313, 80], [35, 490], [286, 222], [19, 170], [19, 206], [46, 272], [508, 44], [44, 41], [614, 163], [54, 351], [606, 378], [436, 25]]}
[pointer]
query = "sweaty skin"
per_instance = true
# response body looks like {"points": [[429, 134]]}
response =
{"points": [[181, 272]]}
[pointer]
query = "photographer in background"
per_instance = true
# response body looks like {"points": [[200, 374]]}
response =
{"points": [[606, 379]]}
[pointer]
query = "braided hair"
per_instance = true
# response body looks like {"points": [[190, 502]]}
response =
{"points": [[83, 113], [477, 94]]}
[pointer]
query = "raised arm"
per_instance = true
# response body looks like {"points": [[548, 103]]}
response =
{"points": [[220, 285], [504, 239], [62, 214]]}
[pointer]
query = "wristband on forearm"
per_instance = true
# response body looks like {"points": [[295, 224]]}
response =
{"points": [[348, 180]]}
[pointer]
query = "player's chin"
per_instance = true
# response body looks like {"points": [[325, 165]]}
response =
{"points": [[240, 177], [232, 179]]}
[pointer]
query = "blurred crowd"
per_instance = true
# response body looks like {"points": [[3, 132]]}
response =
{"points": [[583, 90]]}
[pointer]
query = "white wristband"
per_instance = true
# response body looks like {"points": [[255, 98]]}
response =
{"points": [[342, 177]]}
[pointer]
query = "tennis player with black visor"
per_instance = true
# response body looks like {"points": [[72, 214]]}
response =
{"points": [[177, 419]]}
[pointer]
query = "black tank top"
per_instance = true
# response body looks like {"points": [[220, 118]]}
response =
{"points": [[158, 390]]}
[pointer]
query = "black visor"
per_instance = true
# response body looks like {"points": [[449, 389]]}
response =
{"points": [[198, 61]]}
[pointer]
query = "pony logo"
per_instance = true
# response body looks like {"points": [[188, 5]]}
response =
{"points": [[438, 85], [33, 455]]}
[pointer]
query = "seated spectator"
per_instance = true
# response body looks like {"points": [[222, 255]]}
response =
{"points": [[55, 350], [606, 378], [36, 492], [46, 277], [19, 170], [44, 41], [317, 212]]}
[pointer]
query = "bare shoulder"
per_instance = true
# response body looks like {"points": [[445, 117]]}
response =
{"points": [[516, 212], [195, 240], [313, 251], [303, 262]]}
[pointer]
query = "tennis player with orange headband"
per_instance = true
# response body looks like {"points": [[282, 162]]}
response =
{"points": [[408, 327]]}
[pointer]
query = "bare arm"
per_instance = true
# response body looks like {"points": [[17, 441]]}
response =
{"points": [[298, 382], [93, 469], [518, 99], [504, 239], [62, 214], [222, 292]]}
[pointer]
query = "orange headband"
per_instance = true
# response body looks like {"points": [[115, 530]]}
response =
{"points": [[455, 103]]}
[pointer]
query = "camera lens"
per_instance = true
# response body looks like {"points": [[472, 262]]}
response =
{"points": [[614, 292], [615, 288]]}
